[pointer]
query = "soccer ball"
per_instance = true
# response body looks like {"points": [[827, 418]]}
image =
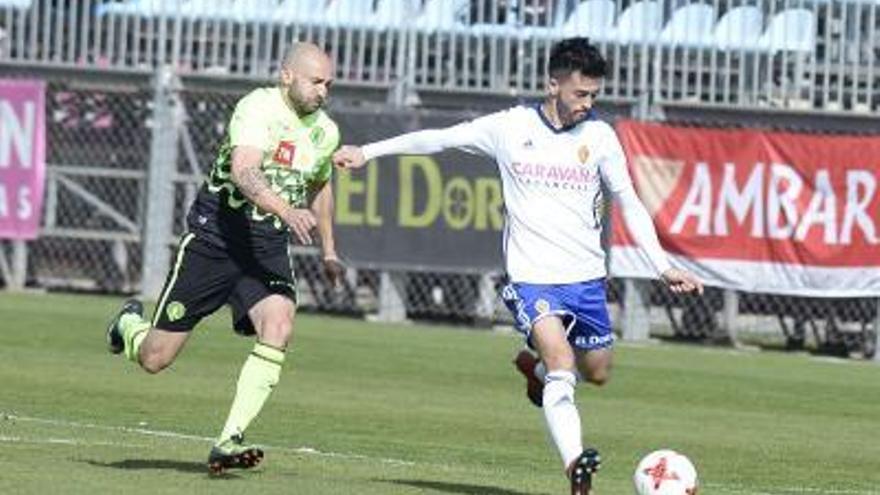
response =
{"points": [[665, 472]]}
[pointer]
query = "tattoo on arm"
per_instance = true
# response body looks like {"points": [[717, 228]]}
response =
{"points": [[252, 182]]}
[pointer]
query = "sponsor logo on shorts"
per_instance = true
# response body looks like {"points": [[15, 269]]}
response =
{"points": [[175, 310], [542, 306], [594, 340]]}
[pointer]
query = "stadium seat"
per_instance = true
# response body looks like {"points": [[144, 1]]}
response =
{"points": [[235, 10], [141, 8], [690, 26], [205, 10], [298, 12], [739, 29], [347, 13], [442, 15], [592, 18], [16, 4], [521, 26], [391, 13], [253, 10], [640, 22], [792, 30], [508, 29]]}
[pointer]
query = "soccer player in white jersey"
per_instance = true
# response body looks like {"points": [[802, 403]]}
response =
{"points": [[552, 158]]}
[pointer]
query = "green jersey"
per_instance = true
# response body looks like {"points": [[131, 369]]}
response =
{"points": [[295, 161]]}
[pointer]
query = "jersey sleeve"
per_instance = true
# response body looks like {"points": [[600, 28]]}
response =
{"points": [[613, 164], [325, 151], [478, 136], [248, 125], [635, 215]]}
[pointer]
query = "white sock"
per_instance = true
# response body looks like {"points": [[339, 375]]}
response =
{"points": [[540, 371], [563, 419]]}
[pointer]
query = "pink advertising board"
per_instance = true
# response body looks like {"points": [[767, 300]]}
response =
{"points": [[22, 157]]}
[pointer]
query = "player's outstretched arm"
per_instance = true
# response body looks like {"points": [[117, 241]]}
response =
{"points": [[322, 206], [641, 227], [249, 179], [477, 135]]}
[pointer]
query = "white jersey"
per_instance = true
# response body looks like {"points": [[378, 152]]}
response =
{"points": [[551, 181]]}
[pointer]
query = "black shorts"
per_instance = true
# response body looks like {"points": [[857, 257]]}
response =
{"points": [[205, 277]]}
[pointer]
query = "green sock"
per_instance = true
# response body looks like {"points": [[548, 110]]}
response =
{"points": [[134, 330], [258, 377]]}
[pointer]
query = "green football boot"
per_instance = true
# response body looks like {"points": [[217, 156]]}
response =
{"points": [[115, 343]]}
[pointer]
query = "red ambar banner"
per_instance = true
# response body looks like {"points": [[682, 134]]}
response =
{"points": [[739, 205]]}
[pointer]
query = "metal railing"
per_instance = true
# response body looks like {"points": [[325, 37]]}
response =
{"points": [[796, 54]]}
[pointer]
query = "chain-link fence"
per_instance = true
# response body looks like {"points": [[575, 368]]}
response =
{"points": [[102, 138], [98, 146]]}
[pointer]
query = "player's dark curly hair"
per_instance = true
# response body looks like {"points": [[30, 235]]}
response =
{"points": [[576, 55]]}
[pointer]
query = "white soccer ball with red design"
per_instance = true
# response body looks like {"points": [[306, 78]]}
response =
{"points": [[665, 472]]}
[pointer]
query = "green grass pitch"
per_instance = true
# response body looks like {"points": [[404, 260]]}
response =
{"points": [[404, 409]]}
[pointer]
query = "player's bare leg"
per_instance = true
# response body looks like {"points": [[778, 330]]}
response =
{"points": [[273, 321], [160, 348], [152, 348], [595, 366]]}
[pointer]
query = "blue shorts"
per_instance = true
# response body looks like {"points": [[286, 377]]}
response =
{"points": [[581, 306]]}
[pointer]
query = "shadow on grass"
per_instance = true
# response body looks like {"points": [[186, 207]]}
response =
{"points": [[460, 488], [161, 464]]}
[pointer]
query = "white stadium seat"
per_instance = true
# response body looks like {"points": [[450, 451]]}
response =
{"points": [[640, 22], [15, 4], [391, 13], [792, 30], [342, 13], [739, 29], [253, 10], [441, 15], [299, 12], [592, 18], [690, 26], [207, 9], [142, 8]]}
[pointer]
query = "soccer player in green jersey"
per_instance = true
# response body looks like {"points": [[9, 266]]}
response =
{"points": [[271, 176]]}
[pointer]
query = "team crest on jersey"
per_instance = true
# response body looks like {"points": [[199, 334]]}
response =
{"points": [[284, 153], [584, 153], [317, 135], [542, 306]]}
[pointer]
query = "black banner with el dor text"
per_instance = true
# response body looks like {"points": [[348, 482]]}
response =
{"points": [[439, 212]]}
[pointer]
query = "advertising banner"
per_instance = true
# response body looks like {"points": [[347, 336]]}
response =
{"points": [[440, 212], [22, 157], [770, 212]]}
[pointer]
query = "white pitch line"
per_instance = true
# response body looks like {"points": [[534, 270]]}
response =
{"points": [[66, 441], [183, 436], [787, 490]]}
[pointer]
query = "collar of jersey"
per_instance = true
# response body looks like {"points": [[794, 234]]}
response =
{"points": [[591, 115]]}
